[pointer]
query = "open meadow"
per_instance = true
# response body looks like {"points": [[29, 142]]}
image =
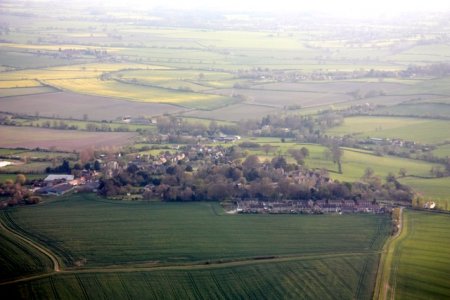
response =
{"points": [[354, 161], [411, 129], [431, 189]]}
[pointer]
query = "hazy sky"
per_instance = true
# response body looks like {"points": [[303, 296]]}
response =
{"points": [[346, 7]]}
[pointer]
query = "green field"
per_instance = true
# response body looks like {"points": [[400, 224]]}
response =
{"points": [[19, 259], [4, 177], [309, 278], [419, 130], [167, 232], [192, 249], [442, 151], [354, 161], [421, 261], [434, 189], [427, 110]]}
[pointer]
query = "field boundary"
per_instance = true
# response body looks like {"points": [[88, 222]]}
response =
{"points": [[56, 264], [382, 286]]}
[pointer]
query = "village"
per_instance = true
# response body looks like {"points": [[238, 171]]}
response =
{"points": [[212, 172]]}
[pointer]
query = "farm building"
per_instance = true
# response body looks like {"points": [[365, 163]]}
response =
{"points": [[54, 177], [56, 190]]}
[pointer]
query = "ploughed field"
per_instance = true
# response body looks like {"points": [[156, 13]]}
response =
{"points": [[197, 250], [19, 137]]}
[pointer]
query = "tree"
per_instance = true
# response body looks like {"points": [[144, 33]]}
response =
{"points": [[251, 162], [97, 165], [21, 179], [86, 155], [279, 162], [336, 155], [297, 155], [267, 148], [304, 151]]}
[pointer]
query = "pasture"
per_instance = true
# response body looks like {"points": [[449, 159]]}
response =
{"points": [[411, 129], [354, 161], [279, 99], [427, 110], [237, 112], [68, 140], [421, 260], [442, 151], [432, 189]]}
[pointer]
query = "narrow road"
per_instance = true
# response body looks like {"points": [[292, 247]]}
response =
{"points": [[30, 242]]}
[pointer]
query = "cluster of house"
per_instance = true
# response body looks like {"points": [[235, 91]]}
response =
{"points": [[225, 138], [153, 162], [396, 142], [138, 120], [60, 184], [308, 207], [430, 205]]}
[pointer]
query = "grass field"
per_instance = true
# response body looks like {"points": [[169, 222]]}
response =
{"points": [[421, 261], [428, 110], [442, 151], [82, 125], [419, 130], [354, 161], [235, 112], [4, 177], [354, 164], [31, 167], [435, 189], [280, 98]]}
